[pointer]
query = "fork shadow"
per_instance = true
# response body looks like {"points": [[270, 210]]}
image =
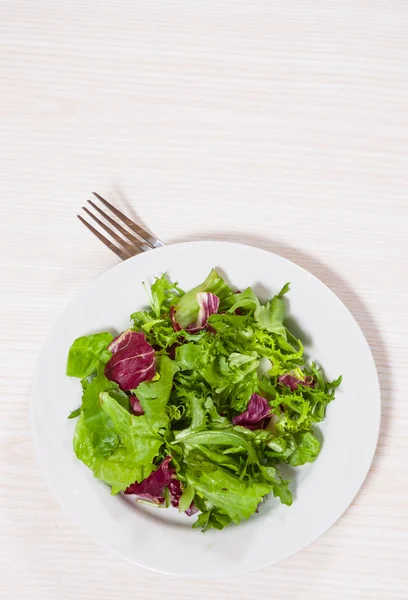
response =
{"points": [[349, 297], [120, 199]]}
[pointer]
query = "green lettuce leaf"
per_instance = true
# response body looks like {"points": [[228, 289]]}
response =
{"points": [[307, 449], [102, 434], [117, 446], [281, 447], [195, 409], [212, 519], [154, 395], [269, 316], [87, 352], [272, 315], [219, 437], [228, 493], [280, 487], [135, 433], [191, 357], [247, 300], [75, 413], [186, 498]]}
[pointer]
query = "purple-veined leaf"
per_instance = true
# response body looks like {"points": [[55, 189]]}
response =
{"points": [[133, 360], [293, 382], [255, 416], [208, 305]]}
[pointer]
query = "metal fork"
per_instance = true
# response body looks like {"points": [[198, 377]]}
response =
{"points": [[128, 243]]}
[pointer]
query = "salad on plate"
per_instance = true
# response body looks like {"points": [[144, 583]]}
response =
{"points": [[199, 402]]}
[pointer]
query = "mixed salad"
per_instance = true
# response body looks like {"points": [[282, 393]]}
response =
{"points": [[199, 402]]}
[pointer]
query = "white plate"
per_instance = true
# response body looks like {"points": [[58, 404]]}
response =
{"points": [[160, 539]]}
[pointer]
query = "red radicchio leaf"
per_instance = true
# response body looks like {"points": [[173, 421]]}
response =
{"points": [[135, 405], [292, 382], [255, 415], [208, 305], [176, 326], [175, 493], [238, 311], [152, 488], [172, 350], [192, 510], [133, 360]]}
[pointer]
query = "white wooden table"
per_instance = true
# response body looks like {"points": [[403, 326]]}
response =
{"points": [[280, 124]]}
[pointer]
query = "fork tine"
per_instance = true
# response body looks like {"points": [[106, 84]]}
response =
{"points": [[123, 255], [132, 250], [142, 233], [135, 241]]}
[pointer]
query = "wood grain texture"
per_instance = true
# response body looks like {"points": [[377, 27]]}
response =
{"points": [[279, 124]]}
